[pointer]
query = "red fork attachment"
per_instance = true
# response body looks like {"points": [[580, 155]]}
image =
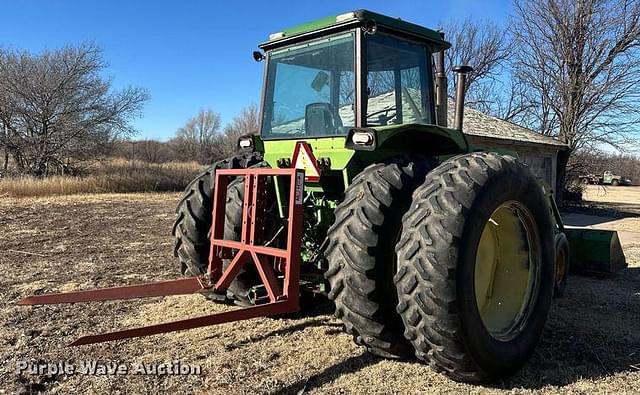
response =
{"points": [[282, 298]]}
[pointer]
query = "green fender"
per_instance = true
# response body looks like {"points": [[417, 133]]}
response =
{"points": [[428, 140]]}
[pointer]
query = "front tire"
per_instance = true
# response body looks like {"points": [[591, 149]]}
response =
{"points": [[475, 267]]}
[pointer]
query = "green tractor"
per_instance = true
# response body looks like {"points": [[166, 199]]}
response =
{"points": [[426, 246]]}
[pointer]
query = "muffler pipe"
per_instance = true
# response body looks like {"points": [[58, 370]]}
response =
{"points": [[461, 80], [441, 90]]}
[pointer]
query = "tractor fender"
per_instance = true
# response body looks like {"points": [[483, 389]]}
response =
{"points": [[391, 141], [426, 140]]}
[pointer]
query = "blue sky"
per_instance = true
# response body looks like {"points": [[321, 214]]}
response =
{"points": [[194, 55]]}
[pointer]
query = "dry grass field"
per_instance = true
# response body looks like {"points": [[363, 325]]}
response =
{"points": [[104, 176], [591, 342]]}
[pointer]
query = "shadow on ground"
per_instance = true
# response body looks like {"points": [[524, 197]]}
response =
{"points": [[349, 365], [591, 333], [599, 212]]}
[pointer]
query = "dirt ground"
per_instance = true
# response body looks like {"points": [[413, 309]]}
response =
{"points": [[591, 342]]}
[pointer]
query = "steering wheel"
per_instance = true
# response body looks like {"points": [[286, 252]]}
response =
{"points": [[383, 115]]}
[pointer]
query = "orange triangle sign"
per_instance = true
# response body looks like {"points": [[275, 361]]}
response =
{"points": [[303, 159]]}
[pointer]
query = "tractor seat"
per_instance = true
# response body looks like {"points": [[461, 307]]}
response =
{"points": [[321, 119]]}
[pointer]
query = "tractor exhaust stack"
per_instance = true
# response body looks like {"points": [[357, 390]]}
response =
{"points": [[441, 90], [461, 81]]}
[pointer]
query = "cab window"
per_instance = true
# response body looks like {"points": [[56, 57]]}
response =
{"points": [[397, 86]]}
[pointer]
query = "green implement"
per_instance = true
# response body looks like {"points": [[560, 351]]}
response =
{"points": [[595, 250]]}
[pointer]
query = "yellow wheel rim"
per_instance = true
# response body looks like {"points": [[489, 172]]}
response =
{"points": [[507, 270]]}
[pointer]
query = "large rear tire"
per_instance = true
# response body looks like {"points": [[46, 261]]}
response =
{"points": [[361, 254], [475, 267]]}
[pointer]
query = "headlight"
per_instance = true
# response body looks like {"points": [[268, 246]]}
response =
{"points": [[362, 138], [245, 142]]}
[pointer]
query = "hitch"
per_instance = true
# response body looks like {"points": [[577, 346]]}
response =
{"points": [[278, 268]]}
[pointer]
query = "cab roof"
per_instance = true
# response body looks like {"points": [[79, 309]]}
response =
{"points": [[349, 20]]}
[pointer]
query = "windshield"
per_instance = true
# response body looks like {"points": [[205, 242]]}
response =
{"points": [[310, 89]]}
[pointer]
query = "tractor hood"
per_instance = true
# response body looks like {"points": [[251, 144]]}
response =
{"points": [[392, 140]]}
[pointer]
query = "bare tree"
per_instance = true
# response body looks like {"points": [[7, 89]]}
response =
{"points": [[247, 122], [152, 151], [597, 162], [197, 138], [486, 47], [580, 62], [201, 139], [5, 157], [57, 108]]}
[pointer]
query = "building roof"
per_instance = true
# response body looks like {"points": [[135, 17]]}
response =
{"points": [[479, 124], [475, 123]]}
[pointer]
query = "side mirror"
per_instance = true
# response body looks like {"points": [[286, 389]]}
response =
{"points": [[258, 56], [320, 81]]}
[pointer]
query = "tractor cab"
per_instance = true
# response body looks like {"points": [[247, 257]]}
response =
{"points": [[363, 69], [351, 83]]}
